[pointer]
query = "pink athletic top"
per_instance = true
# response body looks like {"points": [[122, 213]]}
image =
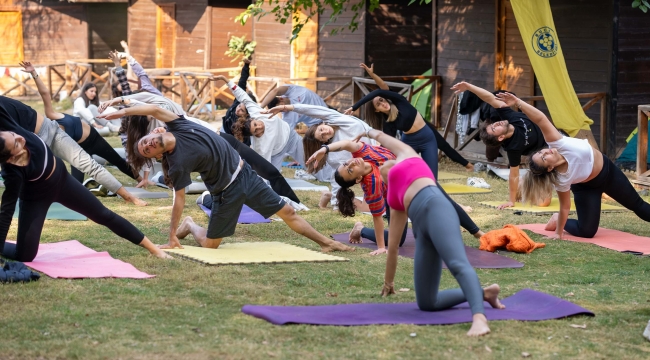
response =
{"points": [[401, 176]]}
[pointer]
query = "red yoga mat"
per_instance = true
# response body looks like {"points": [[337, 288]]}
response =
{"points": [[607, 238], [72, 260]]}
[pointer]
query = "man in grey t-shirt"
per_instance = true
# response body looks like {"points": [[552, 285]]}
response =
{"points": [[188, 147]]}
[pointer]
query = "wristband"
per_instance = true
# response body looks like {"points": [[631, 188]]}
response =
{"points": [[327, 148], [122, 99], [35, 75]]}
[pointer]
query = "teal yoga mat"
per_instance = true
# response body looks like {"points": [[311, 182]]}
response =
{"points": [[58, 212]]}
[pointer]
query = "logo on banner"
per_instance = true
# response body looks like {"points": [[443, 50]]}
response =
{"points": [[545, 42]]}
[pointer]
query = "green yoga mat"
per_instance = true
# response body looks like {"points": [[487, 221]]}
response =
{"points": [[58, 212]]}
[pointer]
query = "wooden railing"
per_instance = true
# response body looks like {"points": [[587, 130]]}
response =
{"points": [[642, 173], [55, 77]]}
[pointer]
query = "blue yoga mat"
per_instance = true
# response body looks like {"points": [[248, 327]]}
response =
{"points": [[57, 212], [247, 215], [286, 164]]}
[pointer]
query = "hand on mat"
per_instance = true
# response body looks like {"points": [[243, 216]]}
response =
{"points": [[460, 87], [112, 116], [555, 236], [348, 111], [379, 251], [505, 205], [145, 183], [508, 98], [389, 289], [173, 243], [316, 157]]}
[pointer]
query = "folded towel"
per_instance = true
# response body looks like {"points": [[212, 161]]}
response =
{"points": [[511, 237]]}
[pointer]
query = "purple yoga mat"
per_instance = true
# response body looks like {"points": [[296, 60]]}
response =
{"points": [[477, 258], [526, 305], [247, 215]]}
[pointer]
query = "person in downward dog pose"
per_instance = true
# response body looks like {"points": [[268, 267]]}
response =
{"points": [[571, 164], [393, 112], [412, 192], [362, 168], [333, 127], [32, 173], [86, 136], [187, 147], [516, 134]]}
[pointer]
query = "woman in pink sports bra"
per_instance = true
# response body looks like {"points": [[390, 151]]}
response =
{"points": [[412, 192]]}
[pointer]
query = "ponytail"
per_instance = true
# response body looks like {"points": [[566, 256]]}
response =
{"points": [[345, 196], [537, 184]]}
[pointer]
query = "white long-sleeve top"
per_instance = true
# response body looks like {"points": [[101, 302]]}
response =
{"points": [[276, 130], [162, 102], [81, 111], [348, 128]]}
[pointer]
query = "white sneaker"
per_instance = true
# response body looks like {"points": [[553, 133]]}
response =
{"points": [[199, 200], [157, 177], [478, 182], [646, 332], [296, 206], [479, 166], [303, 175]]}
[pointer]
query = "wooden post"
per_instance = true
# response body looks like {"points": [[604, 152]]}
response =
{"points": [[49, 81], [207, 54], [436, 108], [642, 142], [183, 91], [603, 124], [612, 83]]}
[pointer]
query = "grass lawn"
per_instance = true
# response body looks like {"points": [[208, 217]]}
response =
{"points": [[192, 311]]}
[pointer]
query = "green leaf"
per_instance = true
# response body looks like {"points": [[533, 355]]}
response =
{"points": [[643, 8], [636, 3]]}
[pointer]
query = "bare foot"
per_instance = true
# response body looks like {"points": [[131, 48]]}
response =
{"points": [[467, 209], [184, 228], [335, 246], [491, 295], [552, 223], [162, 255], [355, 234], [325, 198], [479, 234], [479, 326], [137, 201]]}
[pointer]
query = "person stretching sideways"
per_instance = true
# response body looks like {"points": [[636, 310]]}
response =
{"points": [[572, 164], [412, 192], [516, 134], [34, 175], [187, 147]]}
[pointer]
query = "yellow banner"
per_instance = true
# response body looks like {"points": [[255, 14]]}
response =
{"points": [[537, 29]]}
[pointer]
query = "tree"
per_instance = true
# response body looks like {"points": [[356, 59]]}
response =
{"points": [[644, 5], [290, 10]]}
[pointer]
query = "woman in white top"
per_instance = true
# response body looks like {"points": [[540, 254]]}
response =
{"points": [[572, 164], [290, 94], [271, 137], [86, 107]]}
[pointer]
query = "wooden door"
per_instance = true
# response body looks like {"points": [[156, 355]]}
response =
{"points": [[165, 35], [513, 69], [11, 33], [304, 53]]}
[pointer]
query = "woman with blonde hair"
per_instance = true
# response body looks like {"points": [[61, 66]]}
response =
{"points": [[571, 164]]}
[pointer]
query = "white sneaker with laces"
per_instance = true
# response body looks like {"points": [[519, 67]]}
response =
{"points": [[478, 182], [646, 332], [296, 206], [303, 175]]}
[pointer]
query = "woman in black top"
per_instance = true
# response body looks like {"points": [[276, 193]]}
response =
{"points": [[391, 112], [32, 173], [85, 135]]}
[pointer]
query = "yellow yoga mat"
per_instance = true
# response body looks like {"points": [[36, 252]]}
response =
{"points": [[253, 253], [553, 207], [460, 189], [444, 176]]}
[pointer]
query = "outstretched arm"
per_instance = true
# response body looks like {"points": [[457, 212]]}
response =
{"points": [[281, 90], [253, 108], [245, 73], [343, 145], [371, 72], [398, 221], [483, 94], [42, 90], [145, 82], [548, 130], [398, 148], [146, 110]]}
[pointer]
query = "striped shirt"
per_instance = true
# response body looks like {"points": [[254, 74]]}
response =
{"points": [[374, 188]]}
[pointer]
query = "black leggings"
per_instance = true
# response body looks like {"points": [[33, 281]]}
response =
{"points": [[447, 148], [369, 233], [262, 167], [97, 145], [587, 197], [36, 199]]}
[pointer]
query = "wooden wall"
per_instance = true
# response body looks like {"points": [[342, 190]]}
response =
{"points": [[633, 68], [273, 52], [583, 27], [466, 33], [340, 55], [517, 73], [107, 24], [142, 31], [398, 38], [223, 28]]}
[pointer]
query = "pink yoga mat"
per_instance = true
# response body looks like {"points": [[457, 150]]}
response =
{"points": [[72, 260], [607, 238]]}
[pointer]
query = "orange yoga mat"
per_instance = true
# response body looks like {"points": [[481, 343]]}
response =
{"points": [[607, 238]]}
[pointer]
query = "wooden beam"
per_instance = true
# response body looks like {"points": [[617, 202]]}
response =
{"points": [[612, 81], [642, 144]]}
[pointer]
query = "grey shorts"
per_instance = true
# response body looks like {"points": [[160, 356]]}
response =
{"points": [[249, 189]]}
